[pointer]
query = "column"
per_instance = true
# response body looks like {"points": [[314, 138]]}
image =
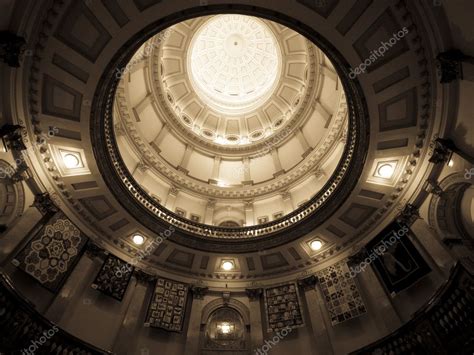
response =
{"points": [[247, 176], [249, 215], [276, 162], [318, 326], [209, 215], [287, 203], [139, 173], [324, 113], [182, 166], [31, 222], [427, 237], [377, 298], [80, 278], [194, 327], [304, 143], [256, 328], [215, 169], [159, 138], [453, 65], [171, 199], [319, 173], [126, 339], [17, 234], [409, 215]]}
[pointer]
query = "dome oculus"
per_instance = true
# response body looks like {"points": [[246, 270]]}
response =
{"points": [[234, 62]]}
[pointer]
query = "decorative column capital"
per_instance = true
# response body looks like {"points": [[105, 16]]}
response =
{"points": [[432, 186], [118, 129], [142, 166], [174, 191], [442, 151], [358, 257], [211, 203], [319, 173], [45, 204], [285, 195], [449, 65], [254, 294], [93, 250], [12, 48], [143, 278], [226, 297], [199, 292], [248, 204], [12, 136], [308, 283], [409, 214]]}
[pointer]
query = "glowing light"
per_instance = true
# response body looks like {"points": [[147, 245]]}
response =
{"points": [[138, 239], [386, 171], [227, 265], [451, 163], [220, 140], [71, 161], [222, 183], [315, 245], [234, 62], [225, 327]]}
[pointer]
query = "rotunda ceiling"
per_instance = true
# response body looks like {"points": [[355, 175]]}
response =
{"points": [[234, 63], [127, 165], [223, 77]]}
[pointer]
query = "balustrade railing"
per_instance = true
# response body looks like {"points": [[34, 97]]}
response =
{"points": [[445, 325], [24, 331]]}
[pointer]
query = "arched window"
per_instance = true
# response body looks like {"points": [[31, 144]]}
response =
{"points": [[225, 330]]}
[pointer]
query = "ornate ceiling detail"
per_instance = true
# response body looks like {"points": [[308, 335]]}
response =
{"points": [[399, 95], [234, 62]]}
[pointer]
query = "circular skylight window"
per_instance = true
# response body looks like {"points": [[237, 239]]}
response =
{"points": [[234, 63]]}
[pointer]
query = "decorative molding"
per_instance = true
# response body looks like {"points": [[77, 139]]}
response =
{"points": [[199, 292], [254, 294], [409, 214], [308, 283], [449, 65], [44, 203]]}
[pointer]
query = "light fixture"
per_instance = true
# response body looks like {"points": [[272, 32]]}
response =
{"points": [[138, 239], [221, 183], [227, 265], [451, 163], [71, 161], [315, 244], [385, 170], [220, 140], [225, 327]]}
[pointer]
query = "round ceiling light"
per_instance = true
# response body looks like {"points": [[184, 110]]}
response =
{"points": [[315, 245], [227, 265], [386, 171], [71, 161], [138, 239], [234, 62]]}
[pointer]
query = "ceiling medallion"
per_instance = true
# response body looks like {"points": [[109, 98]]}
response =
{"points": [[234, 63]]}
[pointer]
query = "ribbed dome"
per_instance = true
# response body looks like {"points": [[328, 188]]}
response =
{"points": [[234, 63]]}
